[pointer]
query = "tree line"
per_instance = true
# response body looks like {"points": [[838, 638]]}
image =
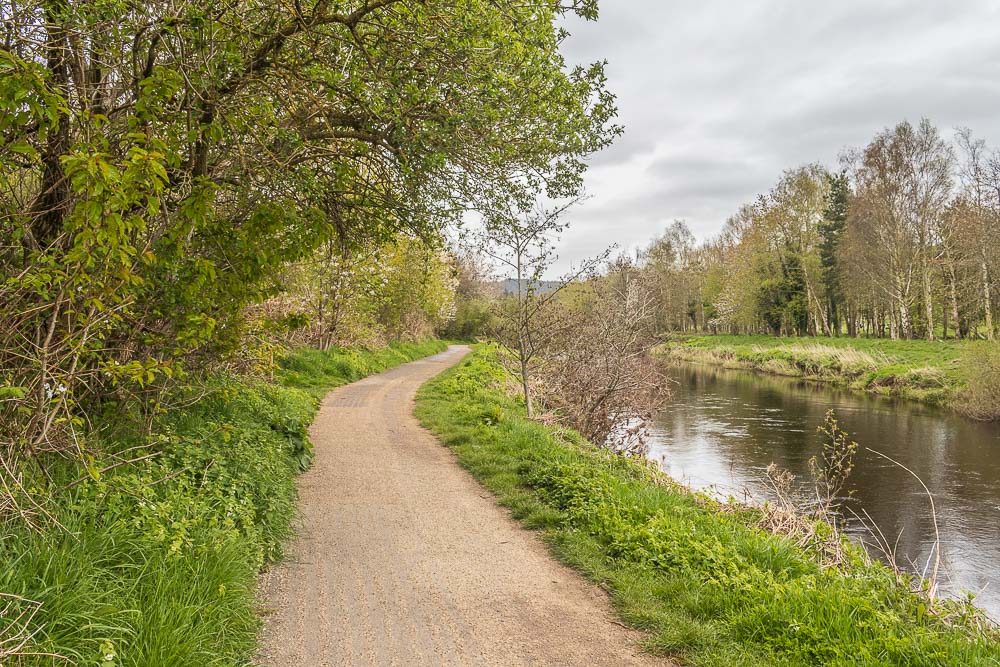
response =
{"points": [[901, 242]]}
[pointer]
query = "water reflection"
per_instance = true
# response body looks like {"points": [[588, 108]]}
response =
{"points": [[725, 427]]}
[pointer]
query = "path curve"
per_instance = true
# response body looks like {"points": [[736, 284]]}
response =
{"points": [[402, 558]]}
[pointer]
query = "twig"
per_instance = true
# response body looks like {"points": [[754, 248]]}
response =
{"points": [[937, 535]]}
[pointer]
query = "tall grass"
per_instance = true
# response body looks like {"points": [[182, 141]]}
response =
{"points": [[710, 587], [155, 563], [981, 397]]}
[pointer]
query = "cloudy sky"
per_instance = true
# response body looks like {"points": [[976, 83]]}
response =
{"points": [[719, 96]]}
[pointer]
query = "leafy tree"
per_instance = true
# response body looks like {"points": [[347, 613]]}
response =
{"points": [[162, 163], [831, 229], [475, 296]]}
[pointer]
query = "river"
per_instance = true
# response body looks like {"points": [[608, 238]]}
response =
{"points": [[724, 427]]}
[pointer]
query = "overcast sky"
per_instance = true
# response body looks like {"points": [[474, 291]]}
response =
{"points": [[718, 97]]}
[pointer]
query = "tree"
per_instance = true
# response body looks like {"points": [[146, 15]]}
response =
{"points": [[831, 229], [671, 264], [531, 319], [903, 183], [772, 278], [475, 297], [976, 228], [163, 163]]}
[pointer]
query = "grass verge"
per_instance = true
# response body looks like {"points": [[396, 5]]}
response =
{"points": [[927, 371], [318, 371], [156, 561], [709, 587]]}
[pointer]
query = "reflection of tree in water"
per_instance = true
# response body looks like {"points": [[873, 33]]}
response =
{"points": [[730, 425]]}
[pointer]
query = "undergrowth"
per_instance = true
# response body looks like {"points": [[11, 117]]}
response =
{"points": [[318, 371], [710, 587], [155, 563]]}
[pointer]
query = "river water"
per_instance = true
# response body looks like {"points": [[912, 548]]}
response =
{"points": [[724, 427]]}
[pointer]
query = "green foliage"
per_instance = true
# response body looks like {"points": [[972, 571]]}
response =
{"points": [[781, 300], [368, 291], [473, 318], [162, 166], [709, 587], [831, 231], [156, 562]]}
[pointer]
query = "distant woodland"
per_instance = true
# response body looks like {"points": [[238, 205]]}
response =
{"points": [[901, 242]]}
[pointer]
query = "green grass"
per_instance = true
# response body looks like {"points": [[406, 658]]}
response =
{"points": [[928, 371], [156, 562], [318, 371], [709, 587]]}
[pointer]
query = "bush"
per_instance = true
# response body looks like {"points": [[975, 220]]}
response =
{"points": [[980, 399]]}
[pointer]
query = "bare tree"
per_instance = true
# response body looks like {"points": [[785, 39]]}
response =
{"points": [[528, 320], [978, 230]]}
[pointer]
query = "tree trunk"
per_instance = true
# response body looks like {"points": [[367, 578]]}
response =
{"points": [[987, 306], [928, 301], [525, 381], [953, 296], [53, 200]]}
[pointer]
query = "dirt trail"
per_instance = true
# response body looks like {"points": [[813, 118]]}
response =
{"points": [[404, 559]]}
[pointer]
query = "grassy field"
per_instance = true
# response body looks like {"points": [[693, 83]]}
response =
{"points": [[709, 586], [929, 371], [155, 563]]}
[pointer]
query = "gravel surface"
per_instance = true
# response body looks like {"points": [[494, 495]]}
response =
{"points": [[402, 558]]}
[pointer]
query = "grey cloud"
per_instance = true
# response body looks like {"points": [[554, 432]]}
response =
{"points": [[627, 147], [718, 97]]}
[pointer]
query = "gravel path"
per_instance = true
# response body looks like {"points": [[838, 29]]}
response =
{"points": [[404, 559]]}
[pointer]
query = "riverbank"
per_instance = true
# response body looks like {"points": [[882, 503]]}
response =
{"points": [[708, 586], [155, 562], [932, 372]]}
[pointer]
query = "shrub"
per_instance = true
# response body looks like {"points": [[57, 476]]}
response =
{"points": [[980, 399]]}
